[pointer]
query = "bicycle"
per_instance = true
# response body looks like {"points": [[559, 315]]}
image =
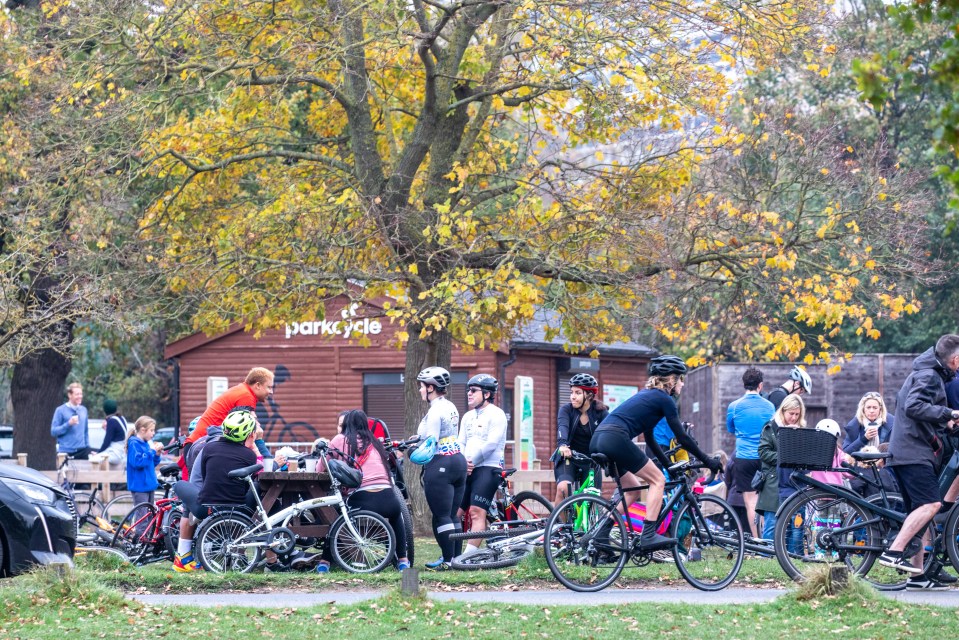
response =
{"points": [[591, 555], [510, 511], [151, 532], [231, 540], [825, 523], [122, 504], [85, 505]]}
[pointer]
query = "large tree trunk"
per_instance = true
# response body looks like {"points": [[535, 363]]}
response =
{"points": [[435, 350], [37, 390]]}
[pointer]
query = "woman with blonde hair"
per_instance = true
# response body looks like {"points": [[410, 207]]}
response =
{"points": [[776, 487], [872, 425]]}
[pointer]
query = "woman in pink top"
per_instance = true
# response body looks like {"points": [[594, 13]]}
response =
{"points": [[375, 493]]}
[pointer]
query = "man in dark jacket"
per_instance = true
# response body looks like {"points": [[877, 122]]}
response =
{"points": [[922, 414]]}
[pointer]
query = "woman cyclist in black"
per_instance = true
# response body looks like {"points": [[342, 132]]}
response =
{"points": [[444, 477], [575, 425], [638, 416]]}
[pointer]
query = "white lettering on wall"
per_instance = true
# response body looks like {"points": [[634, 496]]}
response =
{"points": [[349, 325]]}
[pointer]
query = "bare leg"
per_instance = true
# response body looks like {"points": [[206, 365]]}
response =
{"points": [[953, 492], [915, 522], [477, 523], [563, 489], [751, 498]]}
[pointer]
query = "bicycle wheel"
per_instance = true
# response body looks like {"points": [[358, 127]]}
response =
{"points": [[494, 533], [950, 535], [529, 505], [171, 528], [87, 508], [407, 526], [711, 546], [586, 543], [215, 544], [816, 528], [119, 507], [368, 551], [491, 559], [97, 553], [132, 535]]}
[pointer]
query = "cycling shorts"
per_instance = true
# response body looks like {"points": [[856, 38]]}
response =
{"points": [[743, 474], [481, 486], [616, 445], [565, 470]]}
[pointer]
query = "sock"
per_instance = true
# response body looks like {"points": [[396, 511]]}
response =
{"points": [[471, 547], [894, 554], [184, 547]]}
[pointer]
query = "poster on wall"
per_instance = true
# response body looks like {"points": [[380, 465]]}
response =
{"points": [[615, 394], [523, 416]]}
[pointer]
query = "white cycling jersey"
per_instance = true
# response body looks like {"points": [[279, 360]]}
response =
{"points": [[483, 436], [441, 421]]}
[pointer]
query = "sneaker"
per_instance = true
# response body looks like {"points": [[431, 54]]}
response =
{"points": [[400, 565], [442, 566], [186, 564], [435, 563], [922, 583], [323, 567], [277, 567], [663, 556], [305, 562], [945, 577], [899, 563], [654, 541]]}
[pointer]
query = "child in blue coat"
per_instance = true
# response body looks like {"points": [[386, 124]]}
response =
{"points": [[143, 455]]}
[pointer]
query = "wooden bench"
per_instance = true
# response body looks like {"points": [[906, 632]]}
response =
{"points": [[93, 472]]}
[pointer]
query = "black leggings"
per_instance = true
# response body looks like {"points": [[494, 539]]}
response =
{"points": [[444, 481], [386, 504]]}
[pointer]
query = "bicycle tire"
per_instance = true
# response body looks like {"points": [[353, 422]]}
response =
{"points": [[884, 578], [950, 534], [491, 559], [710, 554], [87, 507], [531, 506], [575, 557], [811, 512], [407, 518], [493, 533], [131, 534], [213, 543], [119, 507], [95, 549], [369, 553], [171, 529]]}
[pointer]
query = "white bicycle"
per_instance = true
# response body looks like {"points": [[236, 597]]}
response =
{"points": [[231, 540]]}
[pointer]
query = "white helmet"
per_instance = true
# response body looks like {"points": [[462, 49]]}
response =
{"points": [[829, 426], [799, 375]]}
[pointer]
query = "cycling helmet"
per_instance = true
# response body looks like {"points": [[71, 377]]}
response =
{"points": [[346, 475], [799, 375], [829, 426], [484, 381], [667, 366], [436, 376], [585, 382], [238, 426], [193, 424], [424, 452]]}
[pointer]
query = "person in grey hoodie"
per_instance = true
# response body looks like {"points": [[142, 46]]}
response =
{"points": [[922, 416]]}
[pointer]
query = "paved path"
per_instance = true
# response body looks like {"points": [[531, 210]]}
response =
{"points": [[533, 597]]}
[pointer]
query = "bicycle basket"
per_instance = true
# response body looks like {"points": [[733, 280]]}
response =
{"points": [[345, 474], [806, 448]]}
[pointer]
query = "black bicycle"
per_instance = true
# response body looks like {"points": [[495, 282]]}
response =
{"points": [[590, 542]]}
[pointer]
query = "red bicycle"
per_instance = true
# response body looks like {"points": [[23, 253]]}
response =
{"points": [[151, 532]]}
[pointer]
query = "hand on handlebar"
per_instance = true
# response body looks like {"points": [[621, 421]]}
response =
{"points": [[714, 464]]}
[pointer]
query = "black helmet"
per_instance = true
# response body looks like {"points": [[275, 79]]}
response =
{"points": [[436, 376], [667, 366], [584, 381], [484, 381]]}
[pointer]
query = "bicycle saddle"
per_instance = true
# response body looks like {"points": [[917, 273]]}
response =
{"points": [[601, 460], [508, 472], [868, 455], [245, 471], [170, 469]]}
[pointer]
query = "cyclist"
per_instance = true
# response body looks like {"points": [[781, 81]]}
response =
{"points": [[482, 438], [799, 383], [575, 425], [922, 413], [444, 477], [638, 416], [234, 450]]}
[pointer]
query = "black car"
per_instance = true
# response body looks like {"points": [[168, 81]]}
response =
{"points": [[36, 522]]}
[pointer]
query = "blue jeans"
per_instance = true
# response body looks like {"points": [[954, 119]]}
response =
{"points": [[769, 524]]}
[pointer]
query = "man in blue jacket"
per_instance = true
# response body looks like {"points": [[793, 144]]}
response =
{"points": [[69, 425], [746, 417]]}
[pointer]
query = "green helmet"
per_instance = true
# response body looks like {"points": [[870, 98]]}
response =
{"points": [[238, 425]]}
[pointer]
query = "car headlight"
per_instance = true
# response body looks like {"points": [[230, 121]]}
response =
{"points": [[32, 492]]}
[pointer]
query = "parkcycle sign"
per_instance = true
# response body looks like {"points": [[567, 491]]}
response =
{"points": [[349, 326]]}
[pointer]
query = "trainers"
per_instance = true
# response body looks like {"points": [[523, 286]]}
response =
{"points": [[663, 556], [277, 567], [899, 563], [922, 583], [654, 541], [186, 564], [945, 577], [400, 565], [323, 567], [305, 563], [442, 566], [435, 563]]}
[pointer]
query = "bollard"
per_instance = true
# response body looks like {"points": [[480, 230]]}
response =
{"points": [[838, 578], [410, 582]]}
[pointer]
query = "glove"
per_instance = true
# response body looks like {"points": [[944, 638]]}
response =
{"points": [[714, 464]]}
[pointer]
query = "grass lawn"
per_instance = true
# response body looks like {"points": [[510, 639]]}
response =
{"points": [[83, 604]]}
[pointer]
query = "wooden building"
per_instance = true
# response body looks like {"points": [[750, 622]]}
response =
{"points": [[323, 367], [709, 390]]}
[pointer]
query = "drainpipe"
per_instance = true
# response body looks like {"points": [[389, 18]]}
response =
{"points": [[502, 378]]}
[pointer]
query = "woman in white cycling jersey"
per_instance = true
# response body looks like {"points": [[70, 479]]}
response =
{"points": [[444, 477]]}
